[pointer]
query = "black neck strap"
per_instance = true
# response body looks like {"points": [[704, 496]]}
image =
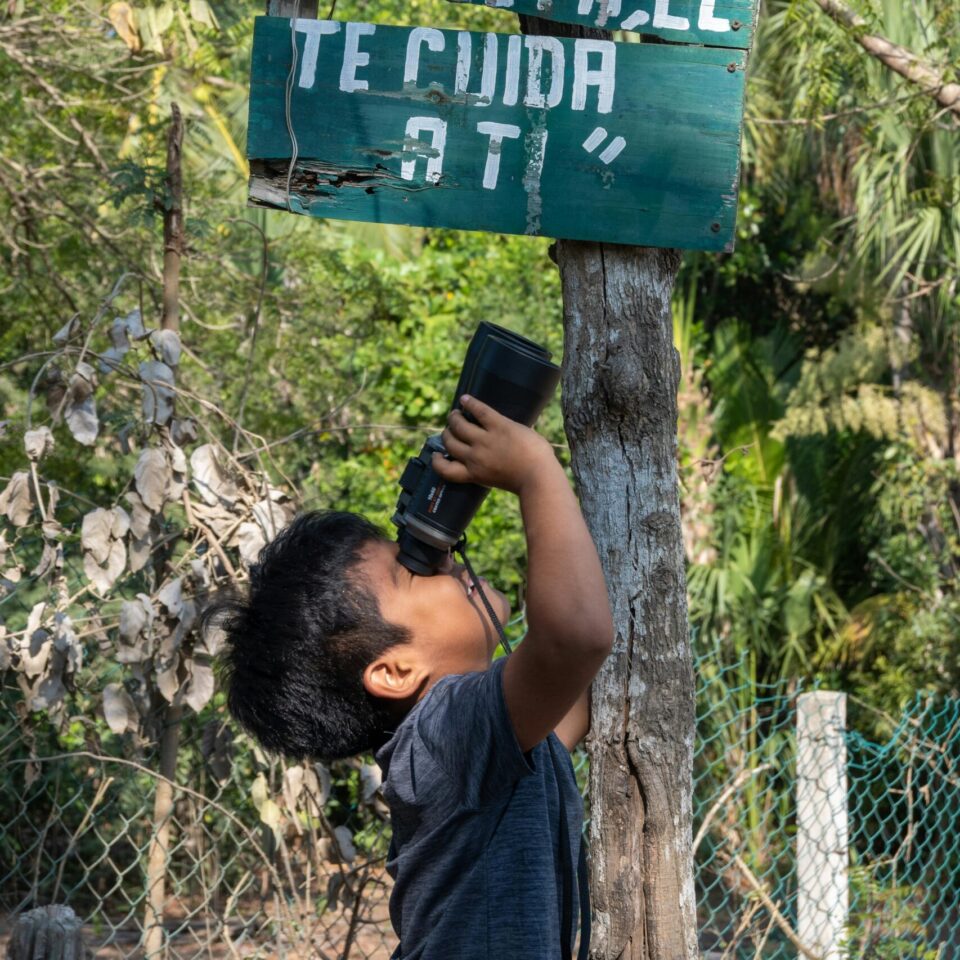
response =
{"points": [[461, 548]]}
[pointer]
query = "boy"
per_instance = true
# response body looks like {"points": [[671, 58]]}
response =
{"points": [[341, 649]]}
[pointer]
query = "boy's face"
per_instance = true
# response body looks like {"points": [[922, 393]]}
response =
{"points": [[450, 628]]}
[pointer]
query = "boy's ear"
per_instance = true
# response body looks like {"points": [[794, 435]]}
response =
{"points": [[393, 678]]}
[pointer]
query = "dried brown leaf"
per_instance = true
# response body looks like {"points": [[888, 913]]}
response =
{"points": [[200, 686], [153, 476], [250, 539], [134, 324], [272, 515], [51, 560], [67, 332], [95, 533], [104, 576], [167, 682], [178, 459], [36, 644], [140, 551], [210, 479], [81, 408], [54, 387], [183, 431], [167, 667], [133, 618], [124, 22], [167, 345], [66, 641], [48, 694], [121, 523], [371, 776], [112, 357], [119, 709], [292, 786], [140, 515], [17, 499], [171, 596], [158, 394], [38, 443], [105, 556]]}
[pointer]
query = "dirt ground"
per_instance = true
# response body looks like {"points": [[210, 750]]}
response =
{"points": [[196, 939]]}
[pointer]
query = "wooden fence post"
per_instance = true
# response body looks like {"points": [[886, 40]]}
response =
{"points": [[47, 933], [823, 878]]}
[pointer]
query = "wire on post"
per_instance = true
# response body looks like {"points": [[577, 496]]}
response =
{"points": [[288, 96]]}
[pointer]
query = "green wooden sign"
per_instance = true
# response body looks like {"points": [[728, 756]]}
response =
{"points": [[584, 139], [715, 23]]}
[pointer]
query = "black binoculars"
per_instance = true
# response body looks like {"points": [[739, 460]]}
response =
{"points": [[513, 375]]}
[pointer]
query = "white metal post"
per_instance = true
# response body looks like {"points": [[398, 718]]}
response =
{"points": [[822, 829]]}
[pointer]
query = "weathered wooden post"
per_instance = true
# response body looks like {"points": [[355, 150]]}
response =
{"points": [[620, 380]]}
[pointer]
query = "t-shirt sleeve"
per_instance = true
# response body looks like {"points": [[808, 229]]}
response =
{"points": [[465, 727]]}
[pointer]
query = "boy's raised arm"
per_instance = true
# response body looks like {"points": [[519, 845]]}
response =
{"points": [[570, 627]]}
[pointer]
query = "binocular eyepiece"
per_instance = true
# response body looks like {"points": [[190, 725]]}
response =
{"points": [[513, 375]]}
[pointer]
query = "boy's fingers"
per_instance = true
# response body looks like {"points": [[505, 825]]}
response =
{"points": [[462, 428], [483, 414], [450, 470], [456, 448]]}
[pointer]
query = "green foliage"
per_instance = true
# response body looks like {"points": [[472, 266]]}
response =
{"points": [[830, 356], [888, 922]]}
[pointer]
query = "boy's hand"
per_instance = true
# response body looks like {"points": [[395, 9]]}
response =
{"points": [[493, 452]]}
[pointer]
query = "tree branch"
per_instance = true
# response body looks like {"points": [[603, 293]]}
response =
{"points": [[899, 59], [778, 918], [173, 239]]}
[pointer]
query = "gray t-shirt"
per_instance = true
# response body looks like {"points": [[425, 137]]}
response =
{"points": [[475, 855]]}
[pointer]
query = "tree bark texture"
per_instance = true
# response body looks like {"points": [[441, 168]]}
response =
{"points": [[620, 378]]}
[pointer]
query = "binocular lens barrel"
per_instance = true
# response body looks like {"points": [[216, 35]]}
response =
{"points": [[506, 371]]}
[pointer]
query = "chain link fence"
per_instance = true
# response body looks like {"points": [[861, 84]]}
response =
{"points": [[905, 854], [265, 859], [824, 828]]}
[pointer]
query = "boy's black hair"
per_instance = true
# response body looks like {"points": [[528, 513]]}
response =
{"points": [[297, 645]]}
